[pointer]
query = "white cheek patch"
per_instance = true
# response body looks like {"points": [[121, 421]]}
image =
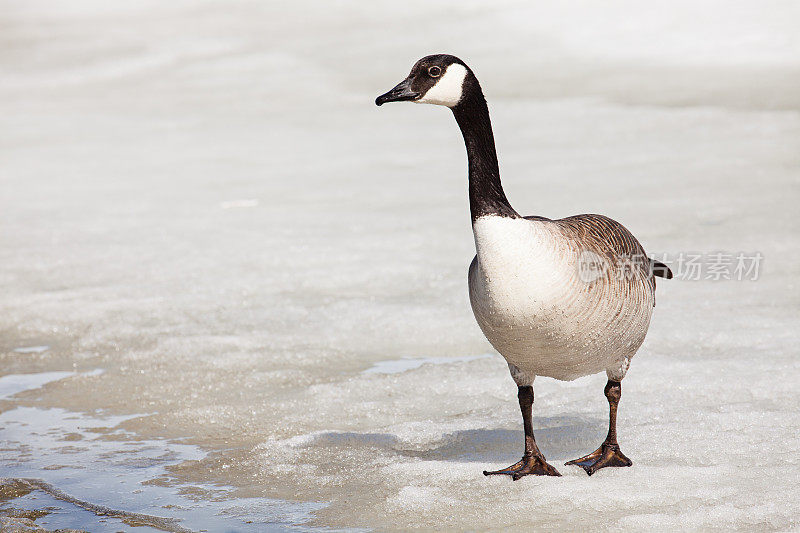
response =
{"points": [[448, 89]]}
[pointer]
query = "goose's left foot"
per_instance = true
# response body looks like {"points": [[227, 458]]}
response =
{"points": [[605, 455], [530, 465], [608, 454]]}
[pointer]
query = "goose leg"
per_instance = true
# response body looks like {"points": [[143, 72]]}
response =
{"points": [[608, 454], [532, 462]]}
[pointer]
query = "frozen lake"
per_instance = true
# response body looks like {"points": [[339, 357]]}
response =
{"points": [[234, 290]]}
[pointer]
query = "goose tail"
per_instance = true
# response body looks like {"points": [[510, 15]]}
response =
{"points": [[660, 269]]}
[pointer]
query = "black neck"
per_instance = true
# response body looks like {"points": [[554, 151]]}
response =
{"points": [[486, 196]]}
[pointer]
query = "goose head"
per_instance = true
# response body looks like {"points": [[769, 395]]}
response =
{"points": [[438, 79]]}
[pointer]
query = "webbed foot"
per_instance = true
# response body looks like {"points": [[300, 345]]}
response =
{"points": [[529, 465], [605, 455]]}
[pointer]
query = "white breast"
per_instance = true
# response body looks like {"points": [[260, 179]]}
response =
{"points": [[533, 306]]}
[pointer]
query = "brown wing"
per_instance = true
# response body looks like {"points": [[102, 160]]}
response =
{"points": [[613, 242]]}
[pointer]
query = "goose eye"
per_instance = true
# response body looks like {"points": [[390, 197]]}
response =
{"points": [[435, 72]]}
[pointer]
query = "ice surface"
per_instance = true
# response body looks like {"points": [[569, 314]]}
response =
{"points": [[32, 349], [393, 366], [201, 200], [11, 384]]}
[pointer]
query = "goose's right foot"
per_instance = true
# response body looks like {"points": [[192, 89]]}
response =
{"points": [[529, 465]]}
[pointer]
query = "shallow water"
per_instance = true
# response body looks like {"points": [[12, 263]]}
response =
{"points": [[89, 459], [235, 290]]}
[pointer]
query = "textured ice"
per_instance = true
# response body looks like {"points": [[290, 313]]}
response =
{"points": [[202, 200], [393, 366]]}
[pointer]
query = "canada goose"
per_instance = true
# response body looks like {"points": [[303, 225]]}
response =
{"points": [[559, 298]]}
